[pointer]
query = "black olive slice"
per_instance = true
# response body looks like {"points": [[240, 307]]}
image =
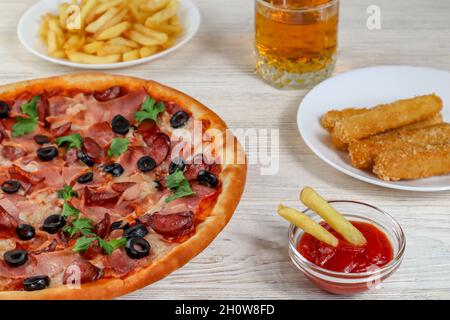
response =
{"points": [[137, 248], [120, 124], [15, 258], [119, 225], [47, 153], [177, 163], [4, 110], [179, 119], [146, 164], [36, 283], [53, 223], [86, 178], [83, 157], [114, 169], [11, 186], [136, 231], [25, 232], [41, 139], [208, 179]]}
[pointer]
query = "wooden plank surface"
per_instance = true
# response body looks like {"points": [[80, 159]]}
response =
{"points": [[249, 259]]}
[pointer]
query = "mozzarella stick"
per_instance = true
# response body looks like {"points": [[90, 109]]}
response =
{"points": [[308, 225], [413, 162], [363, 152], [330, 118], [386, 117]]}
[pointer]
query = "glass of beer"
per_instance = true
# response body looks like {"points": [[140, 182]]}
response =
{"points": [[296, 41]]}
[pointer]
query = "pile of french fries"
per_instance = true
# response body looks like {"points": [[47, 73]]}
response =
{"points": [[110, 31], [335, 220]]}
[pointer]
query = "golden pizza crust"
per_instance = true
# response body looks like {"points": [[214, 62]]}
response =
{"points": [[233, 178]]}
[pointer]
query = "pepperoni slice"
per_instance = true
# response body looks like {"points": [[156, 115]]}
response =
{"points": [[92, 148], [12, 153], [159, 147], [110, 93], [100, 198], [61, 130], [102, 227], [42, 107], [148, 128], [171, 225], [121, 187], [81, 270], [18, 173], [92, 251]]}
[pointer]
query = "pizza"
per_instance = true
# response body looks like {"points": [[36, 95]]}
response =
{"points": [[107, 184]]}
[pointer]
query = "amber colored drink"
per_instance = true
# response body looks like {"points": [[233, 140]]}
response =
{"points": [[296, 41]]}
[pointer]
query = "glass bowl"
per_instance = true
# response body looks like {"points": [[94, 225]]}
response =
{"points": [[351, 283]]}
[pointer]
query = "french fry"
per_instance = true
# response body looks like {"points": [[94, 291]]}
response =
{"points": [[120, 41], [136, 13], [52, 42], [80, 57], [108, 50], [58, 54], [114, 31], [118, 18], [105, 6], [94, 26], [151, 33], [86, 9], [143, 39], [169, 28], [315, 202], [93, 47], [154, 5], [308, 225], [163, 15], [131, 55], [148, 51], [74, 43]]}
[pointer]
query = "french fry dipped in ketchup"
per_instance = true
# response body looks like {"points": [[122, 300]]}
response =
{"points": [[319, 205], [337, 244]]}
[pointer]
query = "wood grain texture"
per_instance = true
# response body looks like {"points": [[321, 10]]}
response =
{"points": [[249, 259]]}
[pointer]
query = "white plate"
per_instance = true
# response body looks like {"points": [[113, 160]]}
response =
{"points": [[28, 29], [366, 88]]}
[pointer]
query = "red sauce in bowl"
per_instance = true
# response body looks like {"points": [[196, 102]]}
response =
{"points": [[346, 257]]}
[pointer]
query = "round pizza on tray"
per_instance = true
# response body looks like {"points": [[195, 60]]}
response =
{"points": [[108, 183]]}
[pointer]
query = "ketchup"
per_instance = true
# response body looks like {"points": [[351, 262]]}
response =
{"points": [[347, 257]]}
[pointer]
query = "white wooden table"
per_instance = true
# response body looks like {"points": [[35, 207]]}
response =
{"points": [[249, 258]]}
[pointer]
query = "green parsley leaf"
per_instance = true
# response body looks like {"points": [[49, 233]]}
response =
{"points": [[82, 225], [73, 141], [67, 193], [69, 211], [24, 126], [83, 244], [118, 146], [110, 246], [29, 108], [179, 185], [149, 110]]}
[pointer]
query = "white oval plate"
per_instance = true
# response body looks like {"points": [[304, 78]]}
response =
{"points": [[366, 88], [28, 29]]}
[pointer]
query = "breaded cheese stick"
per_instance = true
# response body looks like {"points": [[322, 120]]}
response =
{"points": [[386, 117], [330, 118], [432, 131], [413, 162]]}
